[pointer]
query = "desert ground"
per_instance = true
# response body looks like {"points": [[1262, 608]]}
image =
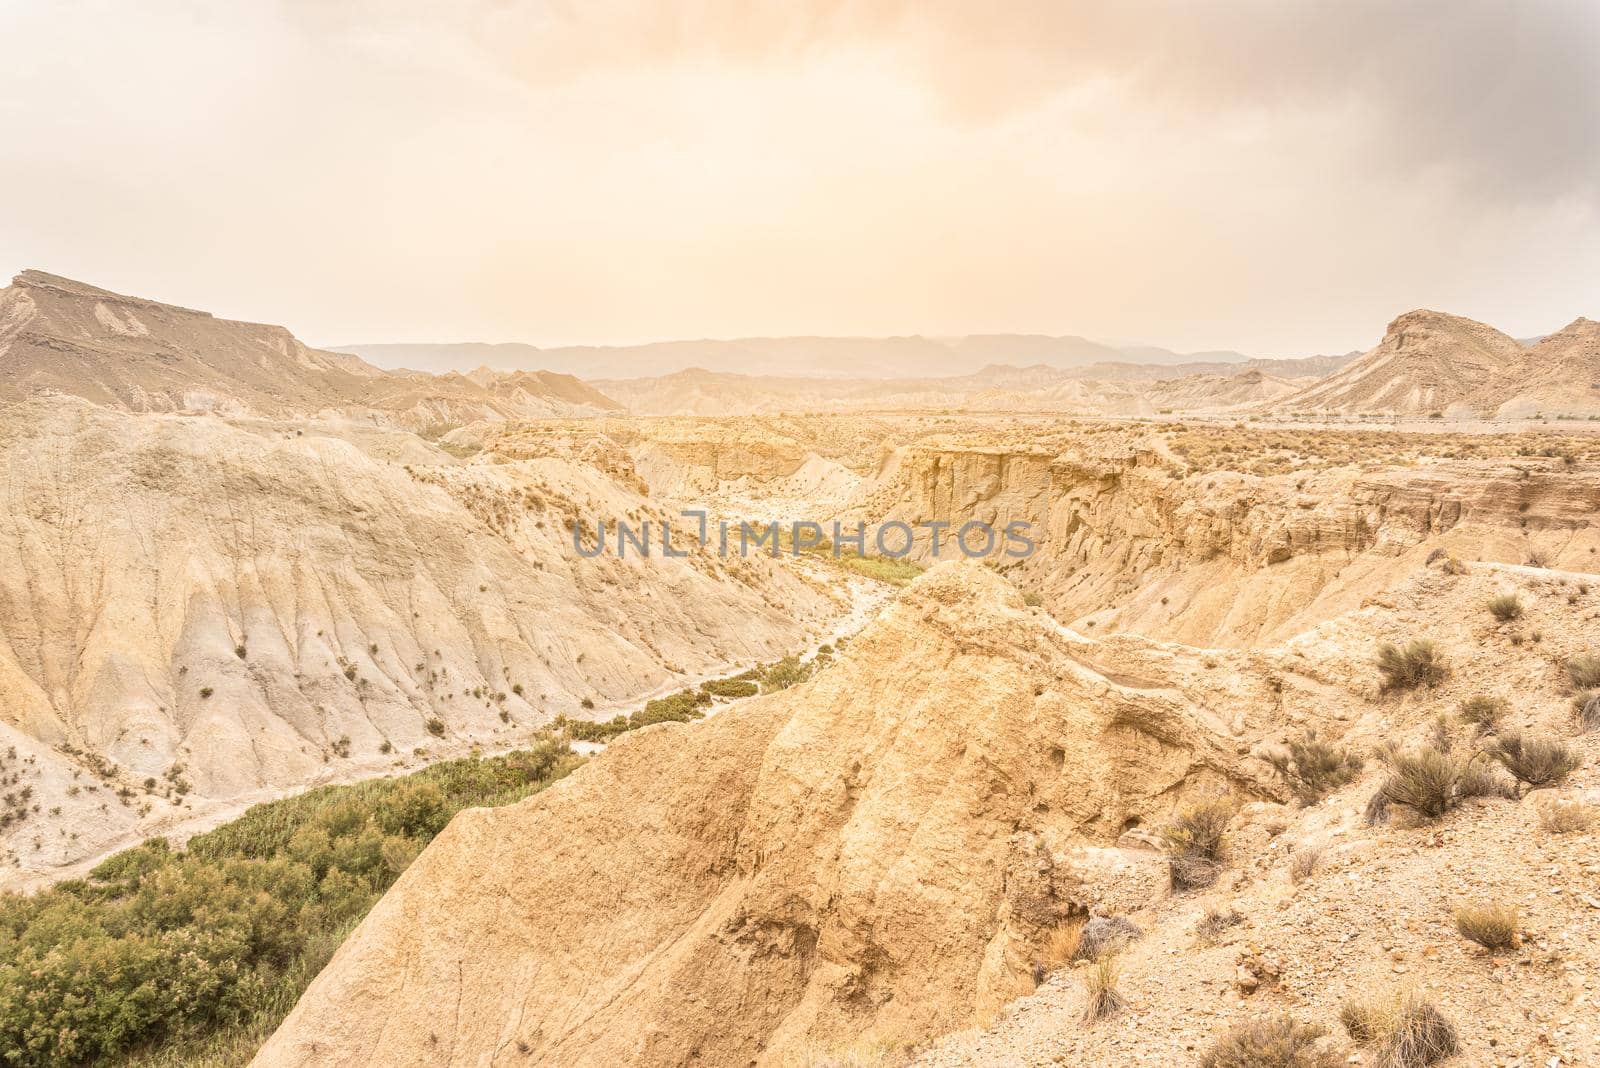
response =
{"points": [[1286, 715]]}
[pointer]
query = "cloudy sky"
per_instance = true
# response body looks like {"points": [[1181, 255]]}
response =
{"points": [[1276, 177]]}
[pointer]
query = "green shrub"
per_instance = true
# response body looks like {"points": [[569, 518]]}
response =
{"points": [[172, 956], [1313, 767], [733, 688], [1419, 663], [1278, 1041], [789, 671], [1505, 607]]}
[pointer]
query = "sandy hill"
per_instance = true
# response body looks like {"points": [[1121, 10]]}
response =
{"points": [[1220, 392], [1559, 375], [250, 606], [141, 355], [879, 850], [878, 857], [1428, 361]]}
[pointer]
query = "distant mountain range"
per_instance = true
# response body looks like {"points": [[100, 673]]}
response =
{"points": [[58, 335], [788, 357]]}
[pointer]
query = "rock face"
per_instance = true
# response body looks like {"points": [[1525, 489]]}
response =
{"points": [[1125, 539], [140, 355], [234, 603], [877, 852]]}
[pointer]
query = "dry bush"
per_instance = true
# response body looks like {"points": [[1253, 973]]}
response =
{"points": [[1533, 759], [1270, 1042], [1194, 841], [1218, 918], [1430, 781], [1586, 705], [1100, 989], [1062, 944], [1367, 1021], [1505, 607], [1584, 672], [1408, 1031], [1420, 1036], [1305, 862], [1494, 927], [1418, 663], [1453, 566], [1313, 767], [1483, 712], [1104, 935], [1562, 816], [1539, 558], [861, 1055]]}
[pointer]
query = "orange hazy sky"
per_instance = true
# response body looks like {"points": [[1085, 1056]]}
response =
{"points": [[1279, 178]]}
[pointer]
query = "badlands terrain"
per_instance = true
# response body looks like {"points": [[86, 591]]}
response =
{"points": [[1298, 669]]}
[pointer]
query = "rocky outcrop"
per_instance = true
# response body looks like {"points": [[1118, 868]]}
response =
{"points": [[1125, 538], [878, 852]]}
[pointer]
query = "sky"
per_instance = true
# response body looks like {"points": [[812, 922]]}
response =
{"points": [[1281, 178]]}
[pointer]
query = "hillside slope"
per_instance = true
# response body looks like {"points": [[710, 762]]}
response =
{"points": [[1427, 361], [877, 857], [141, 355], [249, 606], [879, 851]]}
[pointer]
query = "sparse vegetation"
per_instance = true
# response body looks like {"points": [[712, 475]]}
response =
{"points": [[1586, 706], [789, 671], [1408, 1031], [1313, 768], [1278, 1041], [1217, 918], [1418, 663], [1105, 934], [435, 726], [1505, 607], [1431, 780], [1101, 997], [1584, 672], [1305, 862], [195, 956], [1494, 927], [1532, 759], [1195, 840], [733, 688], [1566, 816], [1483, 713], [1062, 944]]}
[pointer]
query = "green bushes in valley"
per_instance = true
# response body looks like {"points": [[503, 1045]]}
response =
{"points": [[170, 957]]}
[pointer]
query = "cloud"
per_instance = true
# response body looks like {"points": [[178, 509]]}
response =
{"points": [[1274, 177], [1504, 96]]}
